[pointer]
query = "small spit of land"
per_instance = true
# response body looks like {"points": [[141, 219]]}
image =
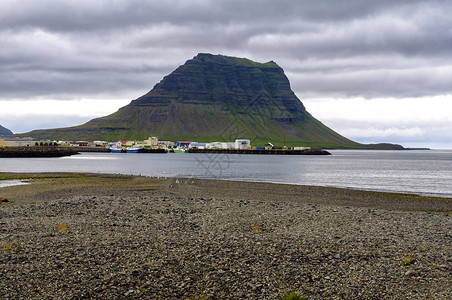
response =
{"points": [[309, 151], [36, 151], [108, 237]]}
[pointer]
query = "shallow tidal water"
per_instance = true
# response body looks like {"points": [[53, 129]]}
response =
{"points": [[413, 171], [5, 183]]}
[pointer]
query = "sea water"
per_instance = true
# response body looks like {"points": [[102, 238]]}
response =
{"points": [[425, 172], [5, 183]]}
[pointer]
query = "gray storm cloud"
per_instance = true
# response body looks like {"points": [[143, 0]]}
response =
{"points": [[65, 49], [352, 48]]}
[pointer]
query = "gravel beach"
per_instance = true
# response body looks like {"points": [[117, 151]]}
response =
{"points": [[73, 236]]}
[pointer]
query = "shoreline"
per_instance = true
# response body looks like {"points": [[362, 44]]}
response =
{"points": [[73, 235], [387, 194]]}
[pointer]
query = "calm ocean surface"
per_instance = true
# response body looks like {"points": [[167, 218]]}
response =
{"points": [[415, 171]]}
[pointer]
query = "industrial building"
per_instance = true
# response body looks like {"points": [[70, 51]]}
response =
{"points": [[239, 144], [17, 142]]}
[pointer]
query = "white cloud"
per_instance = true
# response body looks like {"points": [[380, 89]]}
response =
{"points": [[413, 122], [84, 107], [25, 115], [390, 132], [437, 108]]}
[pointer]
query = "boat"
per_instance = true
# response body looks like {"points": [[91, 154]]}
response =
{"points": [[135, 149], [117, 148], [178, 150]]}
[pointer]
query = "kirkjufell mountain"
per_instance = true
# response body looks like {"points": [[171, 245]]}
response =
{"points": [[5, 131], [213, 98]]}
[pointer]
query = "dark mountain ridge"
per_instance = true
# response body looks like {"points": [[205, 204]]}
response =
{"points": [[214, 98], [5, 131]]}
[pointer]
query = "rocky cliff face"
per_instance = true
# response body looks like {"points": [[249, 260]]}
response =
{"points": [[232, 85], [5, 131], [212, 98]]}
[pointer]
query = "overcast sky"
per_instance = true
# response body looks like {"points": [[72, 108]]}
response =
{"points": [[375, 71]]}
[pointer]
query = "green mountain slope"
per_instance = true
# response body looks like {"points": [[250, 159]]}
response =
{"points": [[5, 131], [213, 98]]}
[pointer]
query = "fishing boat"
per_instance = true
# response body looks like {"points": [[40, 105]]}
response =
{"points": [[178, 150], [135, 149], [117, 148]]}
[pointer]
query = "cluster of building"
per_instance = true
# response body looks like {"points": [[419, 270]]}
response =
{"points": [[239, 144], [31, 142], [152, 142]]}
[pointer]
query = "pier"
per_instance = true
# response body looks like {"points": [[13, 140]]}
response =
{"points": [[263, 151]]}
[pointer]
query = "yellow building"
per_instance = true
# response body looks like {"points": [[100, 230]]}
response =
{"points": [[151, 142], [17, 142], [130, 143]]}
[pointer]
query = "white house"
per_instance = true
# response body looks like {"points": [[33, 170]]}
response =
{"points": [[242, 144], [214, 145]]}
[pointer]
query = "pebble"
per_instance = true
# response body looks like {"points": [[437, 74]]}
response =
{"points": [[132, 243]]}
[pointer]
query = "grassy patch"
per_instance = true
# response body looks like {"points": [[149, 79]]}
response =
{"points": [[10, 246], [408, 260], [8, 176], [94, 181], [406, 196], [293, 296], [256, 229], [79, 179], [41, 184]]}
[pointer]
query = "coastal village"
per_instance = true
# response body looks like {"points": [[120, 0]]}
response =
{"points": [[127, 145], [177, 146], [150, 145]]}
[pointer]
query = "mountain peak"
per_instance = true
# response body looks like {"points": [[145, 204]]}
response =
{"points": [[219, 78], [207, 57], [214, 98]]}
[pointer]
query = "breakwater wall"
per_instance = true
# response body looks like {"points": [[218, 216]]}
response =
{"points": [[36, 152], [263, 151], [155, 150], [146, 150], [90, 149]]}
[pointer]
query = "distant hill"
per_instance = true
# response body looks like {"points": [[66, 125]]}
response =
{"points": [[213, 98], [5, 131]]}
